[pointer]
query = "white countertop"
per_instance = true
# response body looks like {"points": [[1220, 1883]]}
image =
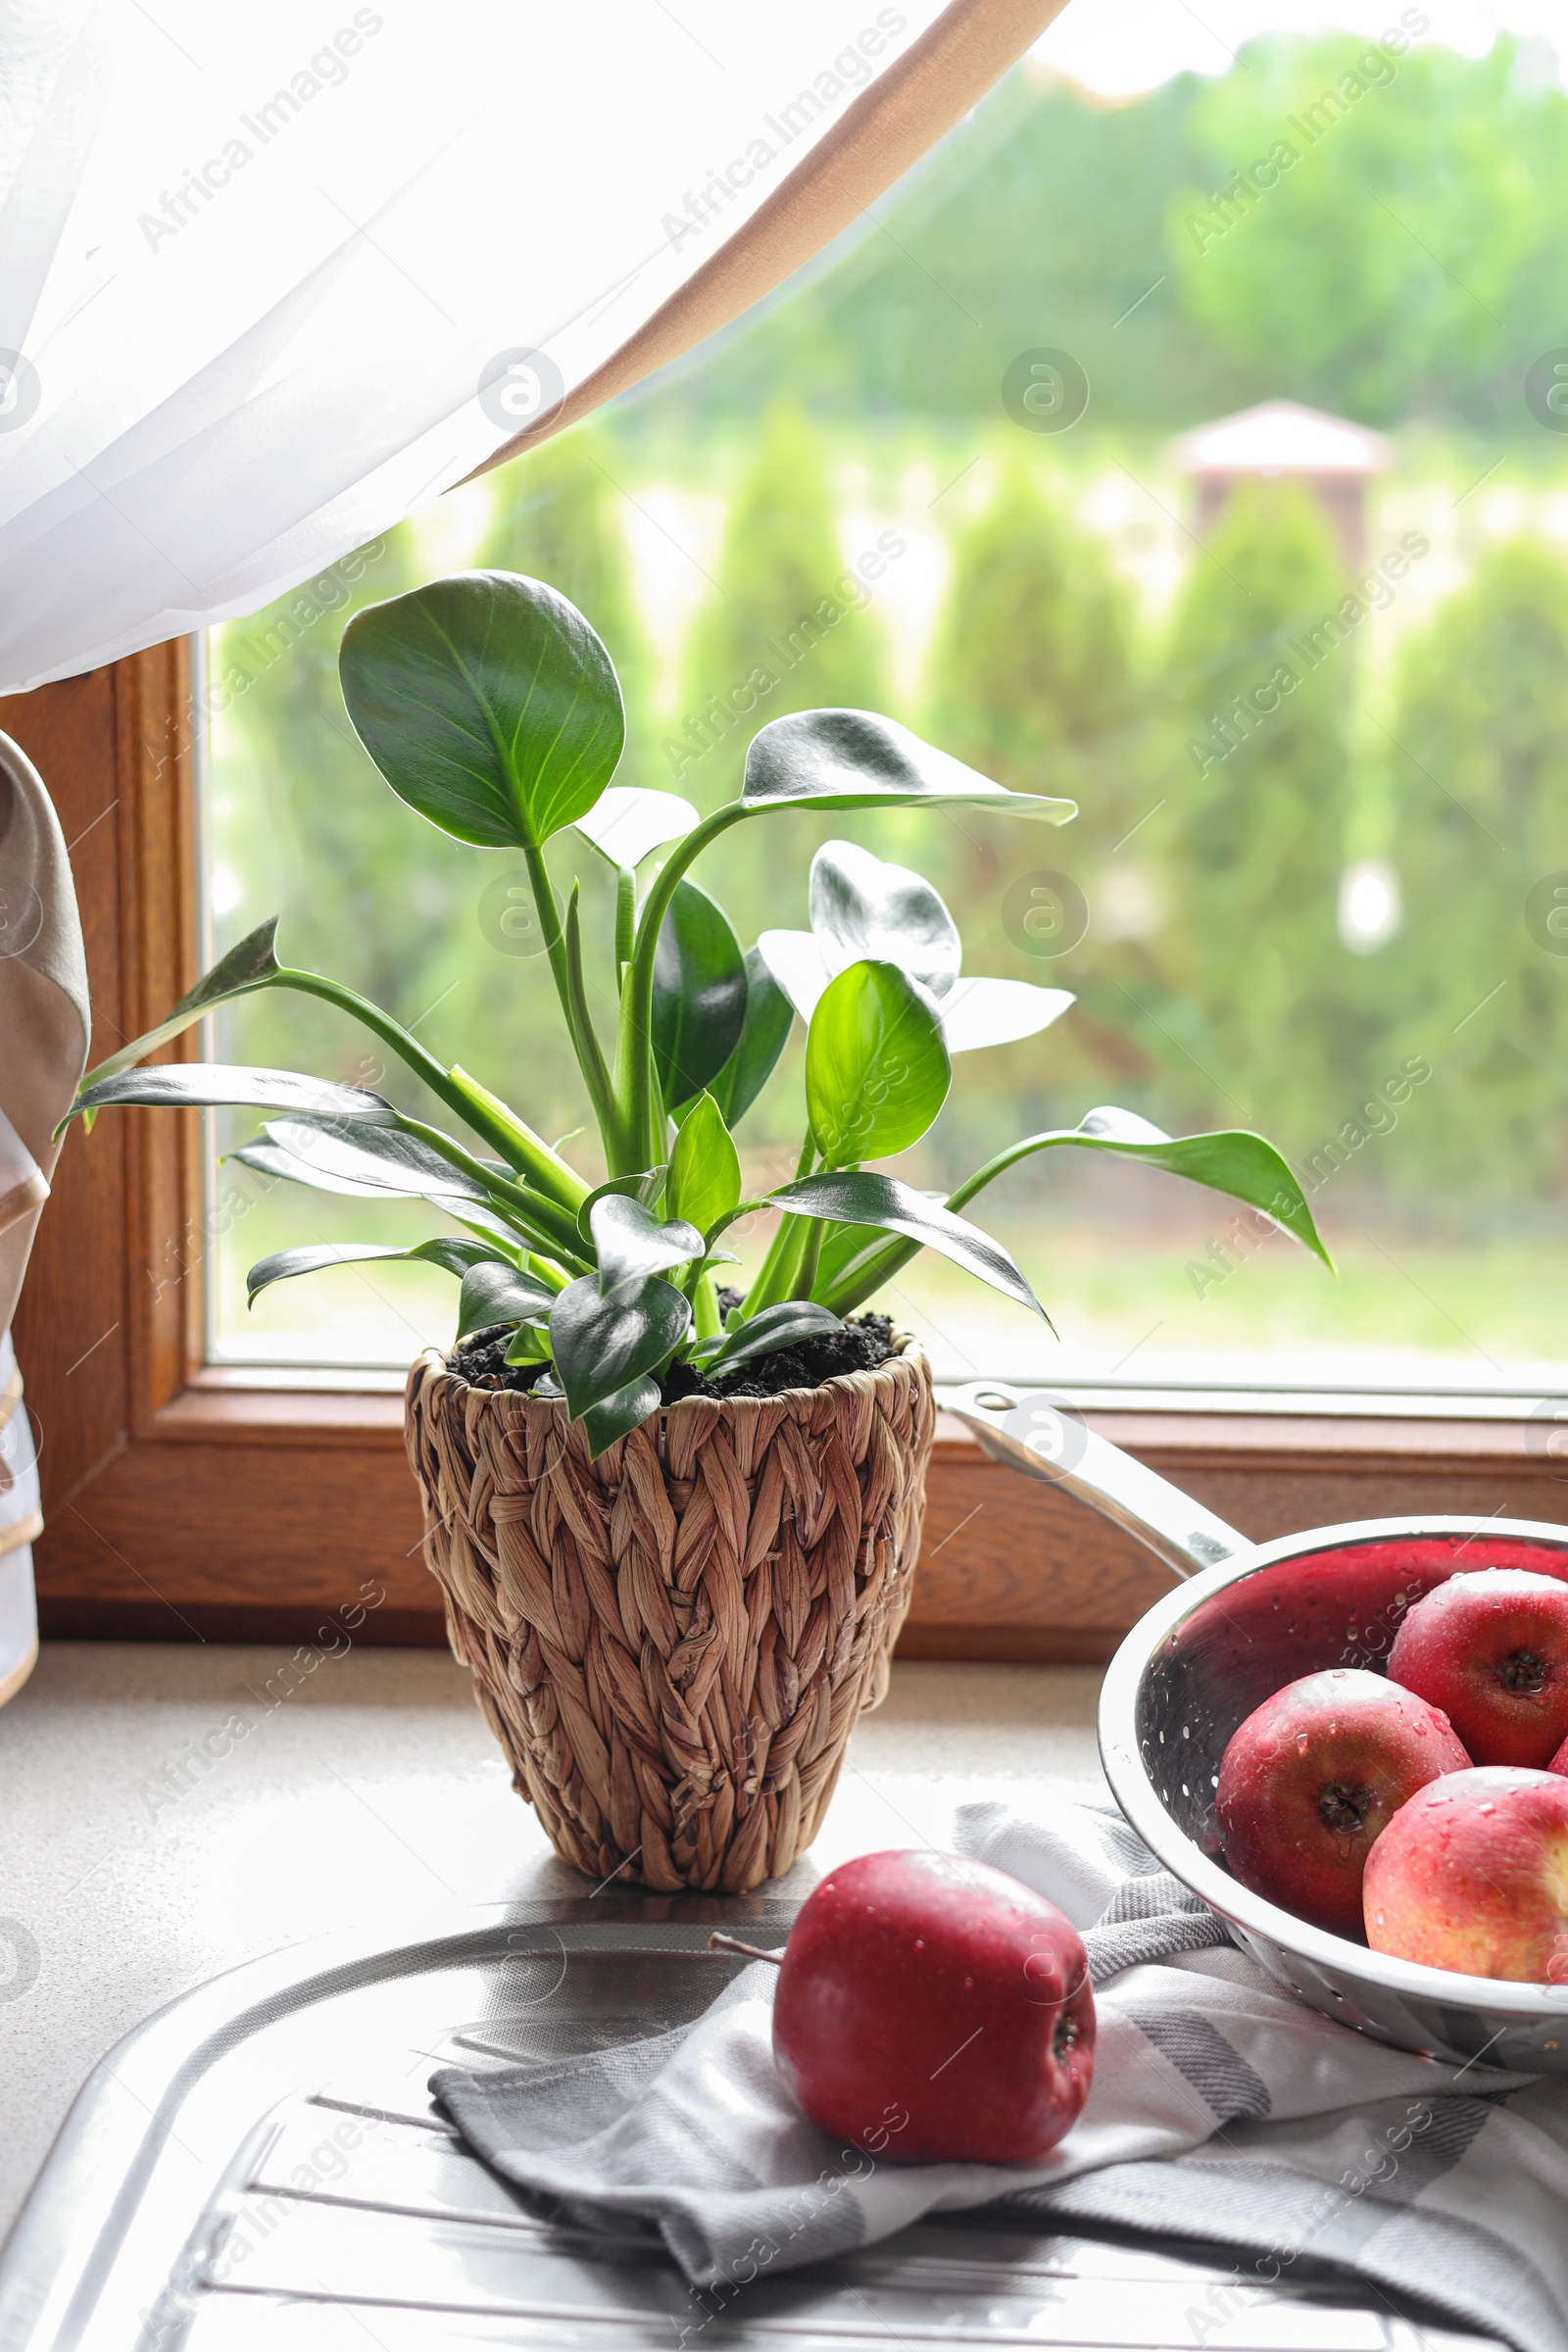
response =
{"points": [[129, 1873]]}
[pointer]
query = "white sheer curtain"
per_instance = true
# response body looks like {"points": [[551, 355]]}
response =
{"points": [[272, 278]]}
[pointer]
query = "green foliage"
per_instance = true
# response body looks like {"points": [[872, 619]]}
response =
{"points": [[1259, 800], [492, 708], [1396, 226], [876, 1069], [488, 704], [1052, 206], [1479, 756], [557, 519], [787, 629], [1031, 676]]}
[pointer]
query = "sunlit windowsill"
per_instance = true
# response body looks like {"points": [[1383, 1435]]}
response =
{"points": [[1191, 1400]]}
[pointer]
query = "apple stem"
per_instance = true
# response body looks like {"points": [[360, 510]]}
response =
{"points": [[729, 1944]]}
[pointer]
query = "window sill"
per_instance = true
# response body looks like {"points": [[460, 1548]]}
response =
{"points": [[289, 1500], [193, 1503]]}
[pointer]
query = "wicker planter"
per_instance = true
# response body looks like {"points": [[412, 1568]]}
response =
{"points": [[672, 1644]]}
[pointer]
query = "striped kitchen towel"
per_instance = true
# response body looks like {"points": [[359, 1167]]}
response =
{"points": [[1222, 2111]]}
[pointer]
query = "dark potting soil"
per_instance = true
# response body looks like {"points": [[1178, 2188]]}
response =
{"points": [[866, 1342]]}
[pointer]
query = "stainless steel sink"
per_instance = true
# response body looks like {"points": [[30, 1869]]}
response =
{"points": [[260, 2169]]}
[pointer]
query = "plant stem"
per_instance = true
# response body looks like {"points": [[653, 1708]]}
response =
{"points": [[626, 919], [704, 1304], [528, 1152], [634, 1085], [778, 1270], [573, 998], [493, 1122], [547, 1271], [806, 1273], [732, 1944], [551, 1223], [590, 1055]]}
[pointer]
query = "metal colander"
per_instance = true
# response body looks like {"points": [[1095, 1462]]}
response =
{"points": [[1246, 1618]]}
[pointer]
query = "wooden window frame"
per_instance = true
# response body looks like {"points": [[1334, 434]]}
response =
{"points": [[188, 1502]]}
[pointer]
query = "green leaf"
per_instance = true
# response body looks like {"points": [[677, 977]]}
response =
{"points": [[629, 822], [781, 1326], [488, 704], [528, 1345], [978, 1012], [493, 1293], [705, 1171], [269, 1158], [876, 1069], [700, 993], [380, 1156], [647, 1186], [249, 965], [861, 1197], [630, 1240], [601, 1343], [861, 905], [856, 759], [447, 1251], [626, 1411], [208, 1084], [768, 1018], [1232, 1160]]}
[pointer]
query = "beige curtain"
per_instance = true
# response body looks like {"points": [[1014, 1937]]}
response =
{"points": [[960, 57], [44, 1023]]}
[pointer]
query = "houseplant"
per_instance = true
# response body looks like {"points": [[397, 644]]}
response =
{"points": [[673, 1598]]}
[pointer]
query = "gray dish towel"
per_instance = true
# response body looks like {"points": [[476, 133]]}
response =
{"points": [[1222, 2111]]}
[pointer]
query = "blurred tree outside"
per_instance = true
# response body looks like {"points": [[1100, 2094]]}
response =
{"points": [[1480, 758], [1253, 955], [1037, 675], [1364, 222], [790, 625]]}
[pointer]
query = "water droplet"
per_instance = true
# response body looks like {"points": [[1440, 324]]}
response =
{"points": [[1302, 1743]]}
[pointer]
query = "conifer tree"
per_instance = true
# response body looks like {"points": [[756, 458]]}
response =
{"points": [[1261, 678], [790, 627], [1478, 762], [1031, 669]]}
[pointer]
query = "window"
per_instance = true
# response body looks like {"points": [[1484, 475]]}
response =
{"points": [[1045, 390], [1183, 437]]}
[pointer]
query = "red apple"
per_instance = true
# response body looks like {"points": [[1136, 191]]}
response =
{"points": [[1490, 1649], [1311, 1780], [1472, 1874], [930, 2008]]}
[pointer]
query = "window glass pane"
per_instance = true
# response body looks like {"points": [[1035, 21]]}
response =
{"points": [[1196, 450]]}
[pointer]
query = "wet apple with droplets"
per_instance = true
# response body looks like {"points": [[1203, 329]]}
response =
{"points": [[1314, 1776]]}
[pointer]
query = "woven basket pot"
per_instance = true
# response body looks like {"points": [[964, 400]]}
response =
{"points": [[672, 1644]]}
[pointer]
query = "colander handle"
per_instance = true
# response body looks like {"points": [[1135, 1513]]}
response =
{"points": [[1042, 1436]]}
